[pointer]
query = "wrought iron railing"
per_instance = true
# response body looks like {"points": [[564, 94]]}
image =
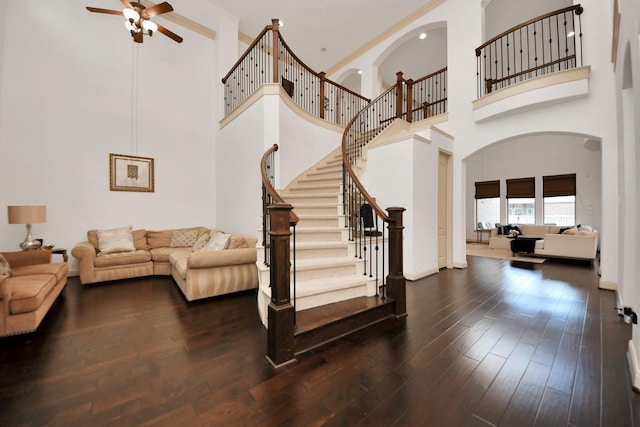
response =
{"points": [[270, 60], [543, 45], [374, 233]]}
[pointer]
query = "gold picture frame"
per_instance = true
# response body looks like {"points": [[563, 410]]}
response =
{"points": [[130, 173]]}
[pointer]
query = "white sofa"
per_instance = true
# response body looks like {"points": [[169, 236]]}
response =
{"points": [[575, 242]]}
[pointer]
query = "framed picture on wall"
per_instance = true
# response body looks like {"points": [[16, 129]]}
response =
{"points": [[130, 173]]}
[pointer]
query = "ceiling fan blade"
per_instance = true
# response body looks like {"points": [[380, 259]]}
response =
{"points": [[107, 11], [169, 33], [158, 9], [127, 4]]}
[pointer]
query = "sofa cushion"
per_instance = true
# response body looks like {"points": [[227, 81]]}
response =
{"points": [[162, 254], [139, 238], [57, 269], [28, 292], [122, 258], [115, 240], [183, 238]]}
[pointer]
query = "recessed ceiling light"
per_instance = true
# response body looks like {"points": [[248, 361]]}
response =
{"points": [[571, 34], [281, 23], [423, 36], [359, 71]]}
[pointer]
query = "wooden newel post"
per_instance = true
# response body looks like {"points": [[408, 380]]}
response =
{"points": [[396, 282], [409, 100], [399, 94], [280, 346], [275, 47]]}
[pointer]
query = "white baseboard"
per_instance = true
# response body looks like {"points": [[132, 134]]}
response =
{"points": [[633, 367], [605, 284], [420, 274], [461, 265]]}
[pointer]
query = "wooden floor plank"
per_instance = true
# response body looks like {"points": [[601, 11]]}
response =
{"points": [[497, 343]]}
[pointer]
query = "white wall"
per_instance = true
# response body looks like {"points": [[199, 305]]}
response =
{"points": [[627, 90], [593, 116], [399, 174], [244, 140], [530, 157], [67, 85]]}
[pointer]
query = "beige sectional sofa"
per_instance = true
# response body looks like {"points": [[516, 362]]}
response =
{"points": [[555, 241], [29, 285], [200, 271]]}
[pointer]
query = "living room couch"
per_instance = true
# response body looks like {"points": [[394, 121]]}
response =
{"points": [[578, 242], [28, 288], [200, 271]]}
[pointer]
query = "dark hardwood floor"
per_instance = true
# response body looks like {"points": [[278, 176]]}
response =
{"points": [[498, 343]]}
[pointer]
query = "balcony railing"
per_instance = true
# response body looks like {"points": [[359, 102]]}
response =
{"points": [[270, 60], [543, 45]]}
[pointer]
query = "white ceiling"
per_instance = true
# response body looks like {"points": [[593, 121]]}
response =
{"points": [[339, 26]]}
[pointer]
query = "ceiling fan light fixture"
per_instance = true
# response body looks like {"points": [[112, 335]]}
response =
{"points": [[130, 27], [149, 26], [131, 14]]}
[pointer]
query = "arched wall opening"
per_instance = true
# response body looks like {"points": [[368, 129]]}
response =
{"points": [[537, 155], [414, 56]]}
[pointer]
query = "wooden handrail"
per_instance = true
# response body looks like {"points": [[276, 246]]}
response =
{"points": [[320, 75], [246, 52], [267, 183], [421, 79], [576, 7], [347, 163]]}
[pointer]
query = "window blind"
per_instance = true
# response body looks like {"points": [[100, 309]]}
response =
{"points": [[559, 185], [487, 189], [521, 188]]}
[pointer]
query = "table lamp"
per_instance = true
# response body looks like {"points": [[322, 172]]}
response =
{"points": [[28, 215]]}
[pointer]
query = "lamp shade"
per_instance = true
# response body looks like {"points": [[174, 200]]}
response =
{"points": [[27, 214]]}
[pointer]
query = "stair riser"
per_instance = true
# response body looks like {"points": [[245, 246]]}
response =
{"points": [[311, 189], [323, 273], [311, 301], [318, 222], [323, 176], [321, 253], [309, 199], [328, 210], [317, 236]]}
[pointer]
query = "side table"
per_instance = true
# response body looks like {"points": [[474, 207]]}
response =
{"points": [[60, 251]]}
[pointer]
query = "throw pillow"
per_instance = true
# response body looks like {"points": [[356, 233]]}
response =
{"points": [[115, 240], [571, 232], [183, 238], [5, 268], [201, 242], [218, 242], [237, 242]]}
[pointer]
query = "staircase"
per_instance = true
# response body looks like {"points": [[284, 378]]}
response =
{"points": [[327, 270]]}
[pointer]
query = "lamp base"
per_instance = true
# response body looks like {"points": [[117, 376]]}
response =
{"points": [[29, 243]]}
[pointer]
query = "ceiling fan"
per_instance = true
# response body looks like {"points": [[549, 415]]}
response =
{"points": [[139, 19]]}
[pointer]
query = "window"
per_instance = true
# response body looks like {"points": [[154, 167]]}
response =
{"points": [[487, 204], [521, 201], [559, 192]]}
